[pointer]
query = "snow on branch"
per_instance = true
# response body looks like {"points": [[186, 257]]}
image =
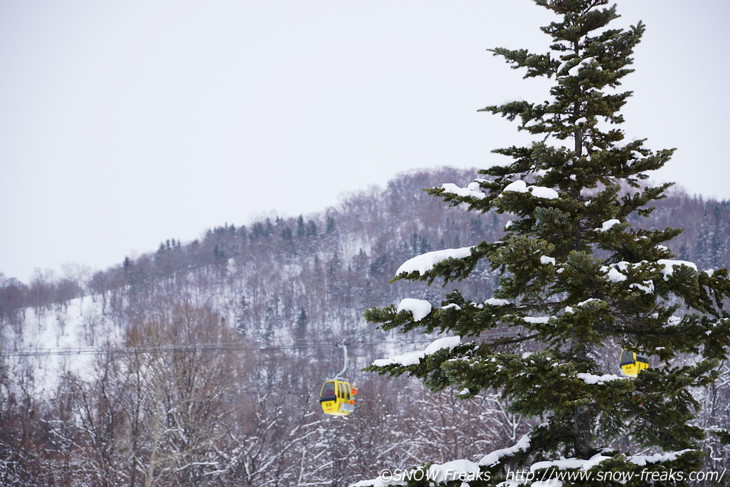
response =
{"points": [[378, 482], [576, 69], [419, 308], [647, 287], [414, 358], [497, 302], [425, 262], [597, 379], [492, 459], [642, 460], [608, 225], [472, 190], [670, 264], [520, 186], [613, 271], [544, 259], [570, 463], [537, 320]]}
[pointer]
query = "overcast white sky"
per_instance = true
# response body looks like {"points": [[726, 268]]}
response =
{"points": [[123, 124]]}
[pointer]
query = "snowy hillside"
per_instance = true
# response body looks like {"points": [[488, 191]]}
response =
{"points": [[172, 366], [60, 341]]}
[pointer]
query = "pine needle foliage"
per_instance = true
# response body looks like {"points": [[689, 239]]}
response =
{"points": [[578, 280]]}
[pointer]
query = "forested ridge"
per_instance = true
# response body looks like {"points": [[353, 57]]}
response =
{"points": [[285, 291]]}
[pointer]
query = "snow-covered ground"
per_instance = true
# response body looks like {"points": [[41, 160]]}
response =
{"points": [[64, 339]]}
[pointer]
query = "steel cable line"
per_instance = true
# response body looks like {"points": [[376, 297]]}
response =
{"points": [[37, 352], [203, 347]]}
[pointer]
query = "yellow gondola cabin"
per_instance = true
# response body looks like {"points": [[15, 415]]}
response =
{"points": [[631, 363], [337, 397]]}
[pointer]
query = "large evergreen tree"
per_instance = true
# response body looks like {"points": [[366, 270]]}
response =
{"points": [[578, 282]]}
